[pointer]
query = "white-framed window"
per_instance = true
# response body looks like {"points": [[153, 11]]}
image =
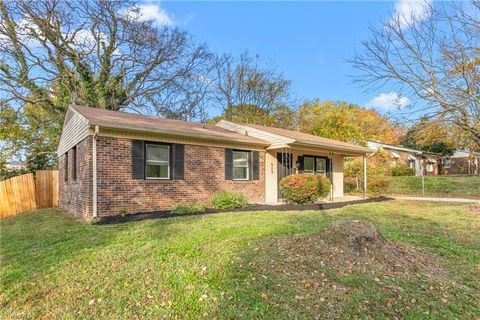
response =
{"points": [[317, 165], [157, 161], [411, 164], [321, 166], [241, 166], [309, 164], [447, 163], [429, 167]]}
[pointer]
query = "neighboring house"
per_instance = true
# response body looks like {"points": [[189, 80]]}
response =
{"points": [[462, 162], [15, 165], [117, 163], [422, 162]]}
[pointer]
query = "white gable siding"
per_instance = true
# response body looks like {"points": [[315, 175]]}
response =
{"points": [[272, 138], [75, 129]]}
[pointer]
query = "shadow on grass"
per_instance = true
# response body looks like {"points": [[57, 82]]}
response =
{"points": [[257, 207]]}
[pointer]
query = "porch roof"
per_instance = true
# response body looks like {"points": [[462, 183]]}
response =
{"points": [[289, 138]]}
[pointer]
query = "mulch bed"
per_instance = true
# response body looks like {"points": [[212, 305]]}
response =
{"points": [[255, 207]]}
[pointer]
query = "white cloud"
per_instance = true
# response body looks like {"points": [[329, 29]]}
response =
{"points": [[26, 32], [409, 10], [388, 101], [151, 12]]}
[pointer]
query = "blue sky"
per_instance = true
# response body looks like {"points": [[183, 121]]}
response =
{"points": [[307, 41]]}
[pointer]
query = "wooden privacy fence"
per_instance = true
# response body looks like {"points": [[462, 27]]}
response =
{"points": [[46, 182], [24, 193]]}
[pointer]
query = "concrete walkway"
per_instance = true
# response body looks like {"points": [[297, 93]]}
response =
{"points": [[460, 200]]}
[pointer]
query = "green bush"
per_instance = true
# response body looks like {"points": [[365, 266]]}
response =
{"points": [[350, 184], [227, 200], [377, 186], [402, 171], [300, 188], [189, 208], [324, 186]]}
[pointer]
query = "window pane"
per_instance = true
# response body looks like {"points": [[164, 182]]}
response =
{"points": [[157, 171], [308, 164], [157, 153], [321, 165], [240, 173], [240, 159]]}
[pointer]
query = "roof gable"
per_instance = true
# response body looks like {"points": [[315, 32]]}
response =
{"points": [[75, 129]]}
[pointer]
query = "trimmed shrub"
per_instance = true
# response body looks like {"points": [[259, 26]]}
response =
{"points": [[377, 186], [227, 200], [189, 208], [402, 171], [300, 188], [324, 186]]}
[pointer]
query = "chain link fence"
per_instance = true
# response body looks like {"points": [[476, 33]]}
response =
{"points": [[433, 186], [439, 186]]}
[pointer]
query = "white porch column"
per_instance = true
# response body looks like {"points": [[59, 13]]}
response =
{"points": [[364, 176]]}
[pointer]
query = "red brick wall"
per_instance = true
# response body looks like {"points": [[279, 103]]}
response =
{"points": [[460, 166], [119, 193], [76, 195]]}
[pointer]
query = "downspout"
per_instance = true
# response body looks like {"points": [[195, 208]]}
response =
{"points": [[365, 176], [330, 169], [94, 172]]}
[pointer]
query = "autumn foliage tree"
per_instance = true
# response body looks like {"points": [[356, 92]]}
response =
{"points": [[342, 121], [432, 136]]}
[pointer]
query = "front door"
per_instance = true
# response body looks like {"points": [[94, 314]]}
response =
{"points": [[284, 168]]}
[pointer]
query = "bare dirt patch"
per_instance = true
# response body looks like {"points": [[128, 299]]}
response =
{"points": [[328, 270], [352, 245]]}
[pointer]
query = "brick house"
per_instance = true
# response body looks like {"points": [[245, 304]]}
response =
{"points": [[116, 163], [462, 162], [424, 163]]}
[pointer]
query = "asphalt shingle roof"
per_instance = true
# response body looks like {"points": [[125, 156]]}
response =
{"points": [[123, 120]]}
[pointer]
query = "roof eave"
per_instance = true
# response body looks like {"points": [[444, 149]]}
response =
{"points": [[397, 148]]}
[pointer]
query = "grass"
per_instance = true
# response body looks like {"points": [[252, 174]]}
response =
{"points": [[440, 186], [214, 266]]}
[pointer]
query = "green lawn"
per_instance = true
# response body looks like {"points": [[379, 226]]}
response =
{"points": [[439, 186], [228, 266]]}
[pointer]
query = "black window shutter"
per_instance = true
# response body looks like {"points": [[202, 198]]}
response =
{"points": [[300, 164], [74, 162], [329, 168], [250, 166], [66, 166], [138, 159], [255, 166], [228, 164], [178, 161]]}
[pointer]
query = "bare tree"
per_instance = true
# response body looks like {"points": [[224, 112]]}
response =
{"points": [[99, 53], [434, 57], [245, 82]]}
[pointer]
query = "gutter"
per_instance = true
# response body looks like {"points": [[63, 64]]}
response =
{"points": [[94, 172], [354, 149]]}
